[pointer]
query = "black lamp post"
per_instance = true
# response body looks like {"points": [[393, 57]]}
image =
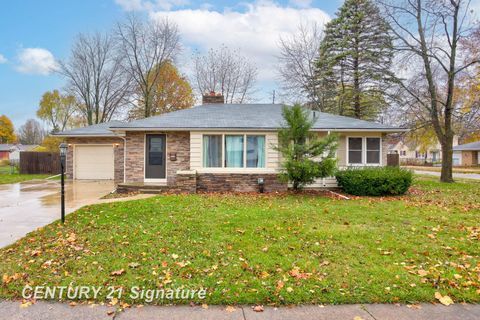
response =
{"points": [[63, 155]]}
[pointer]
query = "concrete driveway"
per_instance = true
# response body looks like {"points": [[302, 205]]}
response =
{"points": [[28, 205]]}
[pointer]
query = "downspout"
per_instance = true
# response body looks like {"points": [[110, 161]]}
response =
{"points": [[124, 158]]}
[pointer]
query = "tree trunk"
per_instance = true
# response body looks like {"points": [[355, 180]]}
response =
{"points": [[356, 89], [89, 117], [147, 106], [447, 159], [356, 79]]}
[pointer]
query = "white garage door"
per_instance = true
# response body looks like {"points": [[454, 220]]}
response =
{"points": [[457, 158], [94, 162]]}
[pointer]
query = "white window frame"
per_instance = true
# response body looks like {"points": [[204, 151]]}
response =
{"points": [[245, 135], [364, 152]]}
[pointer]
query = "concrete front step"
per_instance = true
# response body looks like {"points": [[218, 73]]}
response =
{"points": [[141, 188], [150, 191]]}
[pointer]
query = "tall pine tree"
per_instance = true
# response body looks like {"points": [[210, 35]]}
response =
{"points": [[355, 61]]}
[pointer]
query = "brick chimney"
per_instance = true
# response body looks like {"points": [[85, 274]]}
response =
{"points": [[212, 97]]}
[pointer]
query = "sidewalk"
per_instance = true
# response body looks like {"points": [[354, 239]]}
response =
{"points": [[52, 311], [475, 176]]}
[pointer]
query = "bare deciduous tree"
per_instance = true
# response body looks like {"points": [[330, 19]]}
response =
{"points": [[143, 46], [431, 32], [227, 72], [31, 132], [298, 55], [96, 77]]}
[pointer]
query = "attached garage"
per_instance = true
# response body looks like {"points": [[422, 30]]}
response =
{"points": [[94, 162]]}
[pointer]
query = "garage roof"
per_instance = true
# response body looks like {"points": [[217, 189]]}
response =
{"points": [[96, 130], [474, 146]]}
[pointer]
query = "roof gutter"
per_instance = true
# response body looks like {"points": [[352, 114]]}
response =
{"points": [[260, 129], [90, 135]]}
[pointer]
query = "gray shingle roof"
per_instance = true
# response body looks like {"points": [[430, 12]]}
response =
{"points": [[21, 147], [6, 147], [474, 146], [243, 116], [101, 129]]}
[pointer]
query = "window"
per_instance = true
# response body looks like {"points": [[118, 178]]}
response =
{"points": [[373, 150], [355, 150], [403, 153], [212, 151], [364, 150], [255, 151], [234, 151]]}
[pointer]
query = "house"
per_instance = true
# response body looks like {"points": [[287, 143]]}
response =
{"points": [[15, 151], [12, 151], [410, 153], [467, 154], [4, 151], [211, 147]]}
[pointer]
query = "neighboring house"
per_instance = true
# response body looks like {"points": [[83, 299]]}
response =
{"points": [[212, 147], [16, 149], [408, 152], [12, 151], [467, 154], [4, 151]]}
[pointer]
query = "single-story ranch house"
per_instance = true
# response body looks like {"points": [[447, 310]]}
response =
{"points": [[211, 147], [467, 154]]}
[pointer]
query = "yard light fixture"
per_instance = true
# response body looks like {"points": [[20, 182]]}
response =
{"points": [[63, 155], [261, 184]]}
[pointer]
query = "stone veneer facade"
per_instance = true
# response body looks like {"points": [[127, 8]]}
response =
{"points": [[118, 153], [178, 145], [238, 182]]}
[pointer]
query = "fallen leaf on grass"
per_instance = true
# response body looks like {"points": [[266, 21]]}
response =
{"points": [[422, 273], [118, 272], [204, 306], [133, 265], [357, 318], [280, 285], [445, 300]]}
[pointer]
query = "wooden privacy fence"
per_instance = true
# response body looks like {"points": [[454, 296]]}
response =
{"points": [[39, 162]]}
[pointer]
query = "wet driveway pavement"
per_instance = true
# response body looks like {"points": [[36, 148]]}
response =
{"points": [[28, 205]]}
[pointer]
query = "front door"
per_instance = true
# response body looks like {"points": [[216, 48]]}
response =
{"points": [[155, 156]]}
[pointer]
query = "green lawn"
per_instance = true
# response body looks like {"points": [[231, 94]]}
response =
{"points": [[279, 249], [7, 177]]}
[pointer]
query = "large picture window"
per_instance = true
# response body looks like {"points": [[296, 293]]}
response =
{"points": [[234, 151], [255, 151], [212, 151]]}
